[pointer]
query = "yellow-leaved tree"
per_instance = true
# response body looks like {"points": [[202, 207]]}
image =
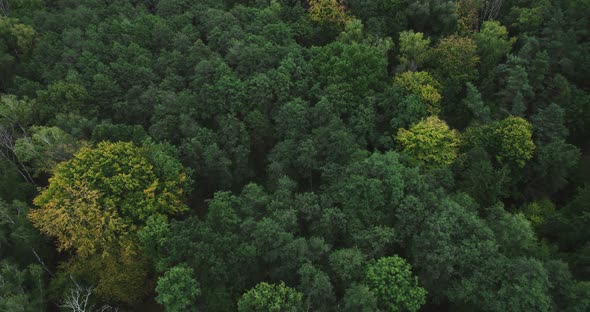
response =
{"points": [[96, 202], [422, 85], [328, 11], [430, 142]]}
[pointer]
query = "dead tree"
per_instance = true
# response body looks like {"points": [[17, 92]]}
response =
{"points": [[490, 9], [79, 300], [4, 7]]}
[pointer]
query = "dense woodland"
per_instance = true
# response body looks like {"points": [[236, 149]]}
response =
{"points": [[285, 155]]}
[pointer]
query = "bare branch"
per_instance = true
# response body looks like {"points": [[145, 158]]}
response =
{"points": [[78, 300], [42, 263], [491, 9], [7, 142], [4, 7], [4, 216]]}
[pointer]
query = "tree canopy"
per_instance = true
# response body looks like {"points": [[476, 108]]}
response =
{"points": [[294, 155]]}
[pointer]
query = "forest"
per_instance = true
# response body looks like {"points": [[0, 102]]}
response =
{"points": [[295, 155]]}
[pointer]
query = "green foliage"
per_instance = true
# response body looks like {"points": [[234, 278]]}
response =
{"points": [[317, 288], [517, 89], [514, 233], [509, 140], [360, 298], [270, 297], [455, 62], [119, 132], [453, 246], [481, 179], [17, 235], [61, 98], [473, 101], [524, 286], [177, 289], [347, 264], [394, 285], [413, 49], [430, 16], [539, 212], [286, 114], [16, 44], [22, 290], [12, 184], [15, 112], [45, 148], [468, 15], [568, 294], [332, 63], [493, 44], [574, 235]]}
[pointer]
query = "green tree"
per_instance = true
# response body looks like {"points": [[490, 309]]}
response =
{"points": [[573, 237], [568, 294], [17, 236], [16, 43], [514, 233], [539, 212], [12, 184], [431, 17], [22, 289], [45, 148], [119, 132], [430, 142], [394, 285], [473, 101], [16, 116], [316, 288], [479, 178], [332, 66], [493, 45], [468, 19], [519, 284], [455, 62], [347, 265], [555, 159], [413, 49], [383, 18], [270, 297], [452, 246], [177, 289], [360, 298], [62, 98], [516, 91]]}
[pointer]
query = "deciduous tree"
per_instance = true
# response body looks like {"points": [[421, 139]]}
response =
{"points": [[430, 142], [271, 297], [177, 289], [394, 285]]}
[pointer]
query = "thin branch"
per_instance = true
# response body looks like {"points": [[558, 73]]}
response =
{"points": [[4, 7], [491, 9], [42, 263], [6, 217]]}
